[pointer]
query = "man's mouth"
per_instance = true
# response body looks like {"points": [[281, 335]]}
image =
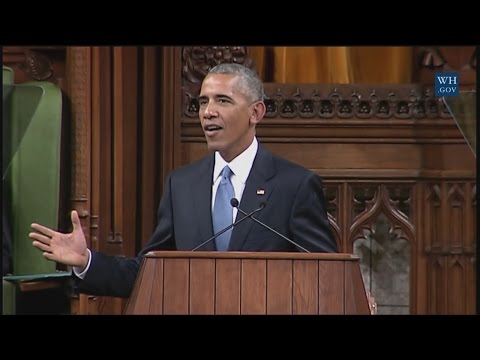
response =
{"points": [[211, 129]]}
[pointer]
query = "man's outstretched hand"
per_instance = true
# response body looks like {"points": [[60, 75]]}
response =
{"points": [[68, 249]]}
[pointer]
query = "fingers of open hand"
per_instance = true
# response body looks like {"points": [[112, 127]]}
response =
{"points": [[42, 246], [40, 238], [43, 230]]}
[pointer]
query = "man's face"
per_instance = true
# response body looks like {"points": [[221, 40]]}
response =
{"points": [[227, 116]]}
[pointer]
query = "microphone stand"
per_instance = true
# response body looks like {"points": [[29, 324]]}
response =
{"points": [[235, 204], [229, 227]]}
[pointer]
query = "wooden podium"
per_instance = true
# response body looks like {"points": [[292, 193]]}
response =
{"points": [[185, 282]]}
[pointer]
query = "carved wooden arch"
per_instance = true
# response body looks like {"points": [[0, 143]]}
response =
{"points": [[381, 202], [335, 229]]}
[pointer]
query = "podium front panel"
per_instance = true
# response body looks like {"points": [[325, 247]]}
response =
{"points": [[234, 283]]}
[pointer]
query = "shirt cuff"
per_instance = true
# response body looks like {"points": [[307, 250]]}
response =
{"points": [[78, 270]]}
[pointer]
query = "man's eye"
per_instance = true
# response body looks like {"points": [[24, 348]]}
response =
{"points": [[202, 102]]}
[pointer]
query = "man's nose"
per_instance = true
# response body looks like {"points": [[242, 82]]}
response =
{"points": [[210, 110]]}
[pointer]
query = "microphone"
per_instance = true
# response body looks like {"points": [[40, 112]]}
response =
{"points": [[234, 202], [249, 215]]}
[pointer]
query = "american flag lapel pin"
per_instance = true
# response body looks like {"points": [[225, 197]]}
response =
{"points": [[260, 191]]}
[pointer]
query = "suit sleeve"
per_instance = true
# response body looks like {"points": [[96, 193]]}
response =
{"points": [[115, 275], [309, 221]]}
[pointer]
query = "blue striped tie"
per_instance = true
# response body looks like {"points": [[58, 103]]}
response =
{"points": [[222, 210]]}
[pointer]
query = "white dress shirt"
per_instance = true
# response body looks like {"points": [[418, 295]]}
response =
{"points": [[240, 167]]}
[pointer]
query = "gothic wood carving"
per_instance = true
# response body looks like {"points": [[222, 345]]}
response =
{"points": [[450, 208], [339, 101], [197, 60], [381, 201]]}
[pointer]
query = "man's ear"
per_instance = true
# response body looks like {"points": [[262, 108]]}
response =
{"points": [[258, 112]]}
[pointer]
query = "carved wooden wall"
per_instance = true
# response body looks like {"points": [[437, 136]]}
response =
{"points": [[390, 150]]}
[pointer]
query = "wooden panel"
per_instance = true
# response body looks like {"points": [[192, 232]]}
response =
{"points": [[227, 297], [469, 221], [125, 162], [101, 147], [254, 282], [371, 161], [305, 287], [279, 286], [456, 285], [149, 191], [331, 288], [103, 237], [147, 295], [437, 279], [79, 90], [143, 291], [176, 285], [419, 286], [448, 157], [202, 286], [193, 151], [365, 156], [356, 302], [246, 278], [156, 302], [97, 305], [171, 108], [472, 306], [166, 60]]}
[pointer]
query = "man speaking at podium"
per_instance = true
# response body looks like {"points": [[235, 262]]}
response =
{"points": [[240, 198]]}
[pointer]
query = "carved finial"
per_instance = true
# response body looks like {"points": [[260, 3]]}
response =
{"points": [[432, 58]]}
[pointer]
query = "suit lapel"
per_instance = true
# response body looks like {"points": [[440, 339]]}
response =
{"points": [[257, 182], [202, 204]]}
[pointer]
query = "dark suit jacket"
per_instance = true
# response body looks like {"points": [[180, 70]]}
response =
{"points": [[295, 207]]}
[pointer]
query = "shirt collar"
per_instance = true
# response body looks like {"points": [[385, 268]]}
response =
{"points": [[240, 166]]}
